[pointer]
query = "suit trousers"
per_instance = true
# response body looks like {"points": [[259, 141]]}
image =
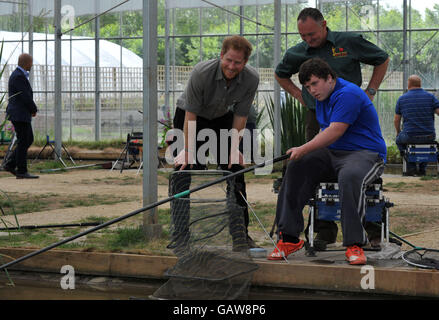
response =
{"points": [[25, 138], [354, 171]]}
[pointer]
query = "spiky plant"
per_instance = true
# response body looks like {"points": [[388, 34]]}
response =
{"points": [[292, 121]]}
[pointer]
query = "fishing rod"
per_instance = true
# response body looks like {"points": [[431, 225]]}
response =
{"points": [[67, 225], [148, 207]]}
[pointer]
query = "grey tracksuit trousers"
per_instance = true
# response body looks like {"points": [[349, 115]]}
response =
{"points": [[354, 171]]}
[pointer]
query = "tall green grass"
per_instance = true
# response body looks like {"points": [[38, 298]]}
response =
{"points": [[292, 121]]}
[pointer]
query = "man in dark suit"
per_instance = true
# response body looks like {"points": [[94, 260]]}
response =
{"points": [[21, 108]]}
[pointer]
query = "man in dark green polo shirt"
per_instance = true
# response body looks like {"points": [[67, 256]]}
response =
{"points": [[343, 51]]}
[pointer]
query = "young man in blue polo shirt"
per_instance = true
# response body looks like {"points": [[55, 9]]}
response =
{"points": [[344, 52], [350, 147]]}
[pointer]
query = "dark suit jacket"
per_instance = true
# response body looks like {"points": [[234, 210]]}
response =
{"points": [[21, 105]]}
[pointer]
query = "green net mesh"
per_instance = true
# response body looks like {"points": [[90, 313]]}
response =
{"points": [[422, 258], [208, 235]]}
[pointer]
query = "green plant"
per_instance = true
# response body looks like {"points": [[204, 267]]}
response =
{"points": [[3, 96], [393, 154], [167, 125], [127, 236], [2, 126], [292, 121], [259, 120]]}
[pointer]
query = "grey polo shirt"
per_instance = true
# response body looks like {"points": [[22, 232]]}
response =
{"points": [[208, 96]]}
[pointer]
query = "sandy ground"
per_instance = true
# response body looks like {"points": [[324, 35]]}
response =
{"points": [[106, 182]]}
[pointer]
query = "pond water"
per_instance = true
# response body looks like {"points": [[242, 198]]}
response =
{"points": [[45, 286]]}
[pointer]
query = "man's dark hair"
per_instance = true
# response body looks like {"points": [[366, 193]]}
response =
{"points": [[315, 67], [312, 13]]}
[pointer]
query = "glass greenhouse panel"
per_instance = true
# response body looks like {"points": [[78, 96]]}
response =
{"points": [[43, 123], [187, 21], [11, 17], [391, 14], [110, 25], [132, 23], [424, 56], [78, 116], [289, 16], [385, 103], [211, 47], [212, 21]]}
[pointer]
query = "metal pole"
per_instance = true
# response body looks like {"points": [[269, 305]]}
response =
{"points": [[404, 46], [277, 53], [121, 76], [200, 31], [241, 21], [411, 69], [46, 85], [167, 59], [174, 80], [58, 73], [71, 88], [31, 35], [150, 163], [97, 77]]}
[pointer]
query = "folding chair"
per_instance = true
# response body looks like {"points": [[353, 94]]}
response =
{"points": [[11, 147], [131, 152], [326, 206], [419, 153], [50, 143]]}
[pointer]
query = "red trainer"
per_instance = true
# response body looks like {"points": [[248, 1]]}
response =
{"points": [[286, 248], [355, 255]]}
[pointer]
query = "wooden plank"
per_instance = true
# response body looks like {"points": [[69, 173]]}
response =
{"points": [[393, 281]]}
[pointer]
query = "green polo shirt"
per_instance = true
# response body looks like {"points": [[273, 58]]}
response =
{"points": [[343, 51], [208, 96]]}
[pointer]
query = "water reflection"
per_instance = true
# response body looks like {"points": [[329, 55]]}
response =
{"points": [[39, 286]]}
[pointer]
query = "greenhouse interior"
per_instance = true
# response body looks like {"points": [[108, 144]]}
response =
{"points": [[107, 77]]}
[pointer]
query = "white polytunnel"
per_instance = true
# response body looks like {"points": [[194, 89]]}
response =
{"points": [[83, 54]]}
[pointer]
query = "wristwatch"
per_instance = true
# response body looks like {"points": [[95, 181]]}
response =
{"points": [[371, 91]]}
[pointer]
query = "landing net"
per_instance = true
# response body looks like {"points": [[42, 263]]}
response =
{"points": [[422, 258], [208, 236]]}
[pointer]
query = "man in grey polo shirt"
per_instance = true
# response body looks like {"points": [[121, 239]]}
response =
{"points": [[218, 96]]}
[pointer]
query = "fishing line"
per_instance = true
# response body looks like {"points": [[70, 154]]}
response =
{"points": [[263, 228]]}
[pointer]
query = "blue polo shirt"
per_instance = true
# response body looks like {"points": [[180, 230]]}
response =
{"points": [[417, 108], [349, 104]]}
